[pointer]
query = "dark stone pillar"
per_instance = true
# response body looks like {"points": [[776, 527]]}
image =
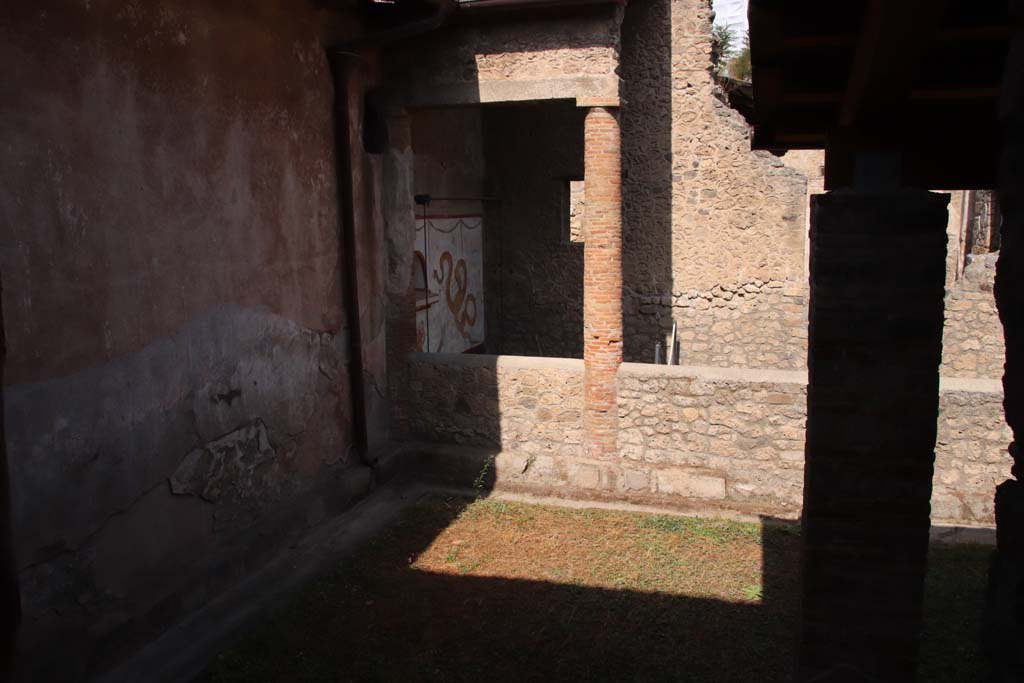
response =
{"points": [[10, 602], [1004, 614], [874, 347]]}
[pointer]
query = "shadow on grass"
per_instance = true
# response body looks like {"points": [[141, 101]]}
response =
{"points": [[380, 617]]}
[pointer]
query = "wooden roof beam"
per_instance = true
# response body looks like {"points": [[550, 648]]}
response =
{"points": [[890, 50]]}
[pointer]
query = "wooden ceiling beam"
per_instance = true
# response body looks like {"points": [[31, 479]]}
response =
{"points": [[891, 48]]}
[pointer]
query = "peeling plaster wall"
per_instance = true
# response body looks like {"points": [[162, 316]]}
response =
{"points": [[177, 398]]}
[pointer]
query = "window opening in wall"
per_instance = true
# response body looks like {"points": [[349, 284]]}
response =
{"points": [[981, 219], [572, 211]]}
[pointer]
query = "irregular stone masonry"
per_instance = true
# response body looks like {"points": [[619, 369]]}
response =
{"points": [[754, 324], [513, 60], [727, 440], [701, 209], [532, 405], [972, 340]]}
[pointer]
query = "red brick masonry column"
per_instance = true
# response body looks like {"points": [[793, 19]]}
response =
{"points": [[602, 280], [874, 345]]}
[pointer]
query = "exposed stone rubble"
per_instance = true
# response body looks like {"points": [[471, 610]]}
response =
{"points": [[972, 341], [754, 324]]}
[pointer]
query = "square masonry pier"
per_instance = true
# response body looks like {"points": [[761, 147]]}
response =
{"points": [[876, 314]]}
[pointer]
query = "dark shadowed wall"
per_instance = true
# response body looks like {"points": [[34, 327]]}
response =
{"points": [[535, 275], [177, 398]]}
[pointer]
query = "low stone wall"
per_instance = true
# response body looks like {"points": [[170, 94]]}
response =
{"points": [[532, 405], [724, 437], [696, 439], [970, 453]]}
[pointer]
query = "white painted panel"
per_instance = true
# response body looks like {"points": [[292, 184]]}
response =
{"points": [[449, 286]]}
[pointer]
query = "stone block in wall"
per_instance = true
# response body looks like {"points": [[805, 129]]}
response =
{"points": [[690, 484], [585, 476]]}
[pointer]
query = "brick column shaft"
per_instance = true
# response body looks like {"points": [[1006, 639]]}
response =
{"points": [[602, 280], [874, 347]]}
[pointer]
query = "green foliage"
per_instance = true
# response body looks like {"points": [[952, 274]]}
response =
{"points": [[753, 592], [481, 478], [739, 66], [728, 57], [723, 47]]}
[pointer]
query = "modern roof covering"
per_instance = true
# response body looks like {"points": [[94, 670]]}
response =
{"points": [[919, 76]]}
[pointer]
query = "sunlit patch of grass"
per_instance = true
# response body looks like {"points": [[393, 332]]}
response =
{"points": [[502, 512], [716, 530], [753, 592]]}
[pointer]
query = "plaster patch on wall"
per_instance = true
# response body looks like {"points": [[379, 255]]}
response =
{"points": [[231, 464]]}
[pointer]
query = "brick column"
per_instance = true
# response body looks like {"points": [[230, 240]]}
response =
{"points": [[1004, 611], [602, 280], [874, 346]]}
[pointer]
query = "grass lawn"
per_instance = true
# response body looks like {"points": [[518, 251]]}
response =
{"points": [[496, 591]]}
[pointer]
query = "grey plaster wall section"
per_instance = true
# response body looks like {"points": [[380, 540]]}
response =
{"points": [[243, 412]]}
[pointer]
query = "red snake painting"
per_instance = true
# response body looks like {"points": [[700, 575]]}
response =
{"points": [[461, 304]]}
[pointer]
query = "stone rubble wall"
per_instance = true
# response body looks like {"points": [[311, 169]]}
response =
{"points": [[972, 340], [970, 453], [534, 405], [704, 216], [730, 438], [696, 439], [514, 60], [755, 324]]}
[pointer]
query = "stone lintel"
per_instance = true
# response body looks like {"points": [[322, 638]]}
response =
{"points": [[604, 102], [602, 89]]}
